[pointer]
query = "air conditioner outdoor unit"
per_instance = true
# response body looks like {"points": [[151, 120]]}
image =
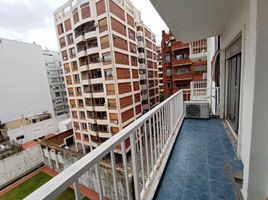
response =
{"points": [[196, 109]]}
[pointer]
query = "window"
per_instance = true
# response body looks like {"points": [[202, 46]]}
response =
{"points": [[140, 38], [104, 42], [167, 58], [183, 70], [60, 29], [84, 125], [131, 34], [96, 73], [57, 94], [181, 56], [76, 78], [64, 55], [169, 85], [72, 52], [142, 71], [201, 68], [108, 73], [21, 137], [141, 60], [106, 57], [70, 39], [168, 72], [74, 66], [102, 25], [62, 42], [141, 50], [142, 82]]}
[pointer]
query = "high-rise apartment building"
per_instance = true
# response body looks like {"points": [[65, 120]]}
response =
{"points": [[147, 67], [97, 40], [56, 82], [160, 71], [182, 63]]}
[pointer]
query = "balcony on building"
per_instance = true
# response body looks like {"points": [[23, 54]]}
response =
{"points": [[198, 49], [85, 31], [188, 154]]}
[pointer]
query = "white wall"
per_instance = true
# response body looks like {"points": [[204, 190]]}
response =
{"points": [[258, 173], [65, 125], [23, 81], [36, 130], [20, 163], [210, 53], [250, 18]]}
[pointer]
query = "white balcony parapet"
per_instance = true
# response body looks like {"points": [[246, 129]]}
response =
{"points": [[198, 49], [155, 132]]}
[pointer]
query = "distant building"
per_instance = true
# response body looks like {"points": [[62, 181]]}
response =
{"points": [[26, 110], [160, 72], [56, 82], [182, 63], [147, 67]]}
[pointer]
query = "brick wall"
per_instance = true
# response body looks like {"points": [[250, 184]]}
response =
{"points": [[118, 27], [121, 58], [126, 101], [100, 7]]}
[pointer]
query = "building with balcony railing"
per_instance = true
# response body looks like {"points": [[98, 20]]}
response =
{"points": [[182, 63], [101, 61], [147, 67], [160, 71]]}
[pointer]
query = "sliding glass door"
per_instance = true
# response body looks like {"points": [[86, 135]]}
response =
{"points": [[233, 65]]}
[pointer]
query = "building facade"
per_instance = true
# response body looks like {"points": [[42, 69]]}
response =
{"points": [[98, 46], [56, 82], [182, 63], [147, 67], [26, 107], [160, 72]]}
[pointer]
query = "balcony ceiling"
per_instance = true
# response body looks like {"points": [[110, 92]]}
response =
{"points": [[191, 20]]}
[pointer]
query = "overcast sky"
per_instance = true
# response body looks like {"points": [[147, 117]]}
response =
{"points": [[32, 20]]}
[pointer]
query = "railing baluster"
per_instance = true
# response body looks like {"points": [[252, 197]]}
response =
{"points": [[157, 134], [134, 165], [146, 148], [162, 127], [123, 147], [97, 168], [151, 144], [77, 190], [142, 158], [154, 135], [160, 131], [114, 175]]}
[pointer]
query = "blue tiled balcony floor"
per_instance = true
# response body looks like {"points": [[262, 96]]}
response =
{"points": [[198, 164]]}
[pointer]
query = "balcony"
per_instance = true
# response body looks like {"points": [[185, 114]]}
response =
{"points": [[186, 76], [179, 46], [181, 62], [198, 49], [200, 153]]}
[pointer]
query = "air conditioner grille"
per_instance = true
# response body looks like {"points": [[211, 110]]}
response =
{"points": [[193, 110]]}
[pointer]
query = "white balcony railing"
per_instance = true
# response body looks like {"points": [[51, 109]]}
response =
{"points": [[150, 138], [198, 49]]}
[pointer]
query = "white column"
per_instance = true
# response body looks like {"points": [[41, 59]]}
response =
{"points": [[257, 182]]}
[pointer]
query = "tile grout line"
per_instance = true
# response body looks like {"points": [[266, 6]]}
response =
{"points": [[209, 189], [186, 167]]}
